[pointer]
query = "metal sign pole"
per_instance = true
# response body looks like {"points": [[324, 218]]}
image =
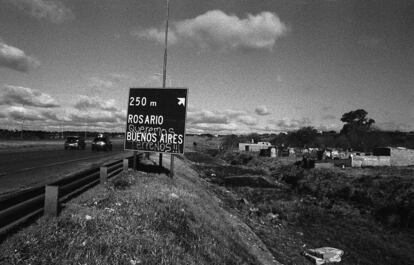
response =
{"points": [[164, 70], [134, 162]]}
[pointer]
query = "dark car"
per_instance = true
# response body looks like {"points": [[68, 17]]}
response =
{"points": [[101, 142], [74, 142]]}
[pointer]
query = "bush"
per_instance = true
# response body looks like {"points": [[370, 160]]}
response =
{"points": [[291, 174], [123, 181], [230, 141]]}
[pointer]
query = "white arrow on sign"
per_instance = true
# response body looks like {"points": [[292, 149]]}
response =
{"points": [[181, 101]]}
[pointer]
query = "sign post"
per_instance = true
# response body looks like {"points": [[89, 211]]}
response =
{"points": [[164, 69], [172, 166], [156, 120]]}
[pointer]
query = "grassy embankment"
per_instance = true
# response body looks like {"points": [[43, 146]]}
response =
{"points": [[139, 218]]}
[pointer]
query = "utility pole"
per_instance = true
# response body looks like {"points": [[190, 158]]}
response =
{"points": [[168, 79], [164, 74]]}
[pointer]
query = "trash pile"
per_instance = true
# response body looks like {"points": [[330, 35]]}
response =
{"points": [[324, 255]]}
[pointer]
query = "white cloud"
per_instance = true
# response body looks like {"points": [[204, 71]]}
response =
{"points": [[12, 95], [69, 119], [205, 117], [53, 10], [21, 113], [286, 124], [231, 113], [219, 121], [51, 115], [219, 30], [94, 116], [16, 59], [99, 83], [329, 117], [155, 34], [208, 127], [87, 103], [96, 113], [155, 80], [247, 120], [118, 77], [393, 126], [262, 111]]}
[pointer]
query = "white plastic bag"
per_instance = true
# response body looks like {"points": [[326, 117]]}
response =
{"points": [[324, 255]]}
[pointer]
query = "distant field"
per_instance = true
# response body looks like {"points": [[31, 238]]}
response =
{"points": [[193, 143]]}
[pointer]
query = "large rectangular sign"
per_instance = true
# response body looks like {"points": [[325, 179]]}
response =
{"points": [[156, 120]]}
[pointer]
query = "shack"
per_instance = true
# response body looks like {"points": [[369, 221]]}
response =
{"points": [[399, 156], [254, 147], [385, 156]]}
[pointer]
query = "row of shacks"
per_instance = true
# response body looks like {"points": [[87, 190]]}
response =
{"points": [[382, 156], [267, 149]]}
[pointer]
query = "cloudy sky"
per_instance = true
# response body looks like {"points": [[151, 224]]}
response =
{"points": [[264, 66]]}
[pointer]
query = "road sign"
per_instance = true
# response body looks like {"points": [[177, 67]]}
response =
{"points": [[156, 120]]}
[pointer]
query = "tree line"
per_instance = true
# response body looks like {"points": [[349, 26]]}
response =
{"points": [[357, 133]]}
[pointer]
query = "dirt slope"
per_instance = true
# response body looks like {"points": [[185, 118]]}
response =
{"points": [[187, 177], [140, 218]]}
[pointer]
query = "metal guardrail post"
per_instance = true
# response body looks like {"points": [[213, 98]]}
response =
{"points": [[134, 162], [103, 174], [51, 206], [125, 163]]}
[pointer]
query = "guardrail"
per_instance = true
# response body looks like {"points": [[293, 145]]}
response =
{"points": [[18, 208]]}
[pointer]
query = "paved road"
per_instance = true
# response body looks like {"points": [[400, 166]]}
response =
{"points": [[24, 169]]}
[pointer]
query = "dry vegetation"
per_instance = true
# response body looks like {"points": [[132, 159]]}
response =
{"points": [[368, 213], [138, 218]]}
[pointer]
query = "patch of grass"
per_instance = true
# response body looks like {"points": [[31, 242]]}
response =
{"points": [[217, 174], [123, 182], [201, 158], [389, 198], [136, 219]]}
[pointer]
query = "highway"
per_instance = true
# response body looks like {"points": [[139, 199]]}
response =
{"points": [[21, 169]]}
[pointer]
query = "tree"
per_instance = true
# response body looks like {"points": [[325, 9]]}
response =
{"points": [[305, 136], [356, 128], [356, 121]]}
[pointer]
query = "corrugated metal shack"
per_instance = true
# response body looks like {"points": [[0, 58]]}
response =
{"points": [[254, 147], [385, 156]]}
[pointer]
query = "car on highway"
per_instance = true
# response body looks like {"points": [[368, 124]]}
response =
{"points": [[74, 142], [101, 142]]}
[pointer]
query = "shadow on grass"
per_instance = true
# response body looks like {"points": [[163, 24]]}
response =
{"points": [[252, 181], [148, 168], [13, 230]]}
